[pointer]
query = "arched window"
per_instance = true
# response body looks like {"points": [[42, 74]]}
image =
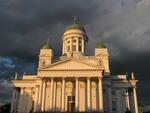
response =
{"points": [[80, 44], [74, 40], [68, 48], [74, 47], [80, 48]]}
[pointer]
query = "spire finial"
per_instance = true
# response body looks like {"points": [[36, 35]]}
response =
{"points": [[46, 45], [47, 42], [75, 19]]}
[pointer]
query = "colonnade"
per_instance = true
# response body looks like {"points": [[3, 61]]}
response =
{"points": [[40, 96], [41, 90], [130, 100]]}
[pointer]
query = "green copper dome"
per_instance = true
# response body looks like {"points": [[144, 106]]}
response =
{"points": [[75, 25], [46, 45], [100, 44]]}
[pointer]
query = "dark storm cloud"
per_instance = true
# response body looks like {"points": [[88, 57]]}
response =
{"points": [[124, 26], [24, 22]]}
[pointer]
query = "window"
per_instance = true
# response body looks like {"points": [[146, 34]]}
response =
{"points": [[74, 40], [71, 98], [80, 48], [80, 40], [68, 42], [74, 47], [68, 49]]}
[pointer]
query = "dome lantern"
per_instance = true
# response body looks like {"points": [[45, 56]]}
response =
{"points": [[74, 39]]}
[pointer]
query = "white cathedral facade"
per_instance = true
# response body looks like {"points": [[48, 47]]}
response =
{"points": [[76, 82]]}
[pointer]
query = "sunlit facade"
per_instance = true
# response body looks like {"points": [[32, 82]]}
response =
{"points": [[75, 82]]}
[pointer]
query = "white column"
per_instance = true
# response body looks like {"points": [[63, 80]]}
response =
{"points": [[110, 99], [71, 44], [133, 99], [77, 95], [63, 51], [51, 94], [83, 45], [100, 94], [36, 98], [88, 94], [43, 95], [118, 101], [127, 100], [13, 101], [40, 95], [54, 101], [63, 96], [77, 44]]}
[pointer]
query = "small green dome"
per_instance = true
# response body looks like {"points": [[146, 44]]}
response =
{"points": [[46, 45], [100, 44], [75, 25]]}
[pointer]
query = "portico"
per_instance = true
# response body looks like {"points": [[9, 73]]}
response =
{"points": [[68, 94]]}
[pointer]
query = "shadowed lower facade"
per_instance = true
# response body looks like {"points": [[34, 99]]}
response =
{"points": [[75, 82]]}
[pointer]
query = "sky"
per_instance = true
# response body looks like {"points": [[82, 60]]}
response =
{"points": [[123, 25]]}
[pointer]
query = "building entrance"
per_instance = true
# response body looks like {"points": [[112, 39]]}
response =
{"points": [[71, 104]]}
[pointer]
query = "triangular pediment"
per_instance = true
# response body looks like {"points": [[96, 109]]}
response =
{"points": [[71, 64]]}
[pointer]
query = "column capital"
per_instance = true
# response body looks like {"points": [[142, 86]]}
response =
{"points": [[100, 77], [36, 85], [130, 89], [77, 78], [44, 79], [52, 78], [63, 78], [88, 77]]}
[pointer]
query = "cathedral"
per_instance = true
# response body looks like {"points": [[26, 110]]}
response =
{"points": [[75, 82]]}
